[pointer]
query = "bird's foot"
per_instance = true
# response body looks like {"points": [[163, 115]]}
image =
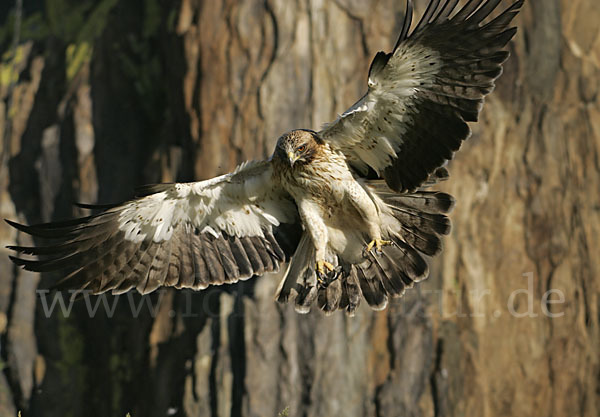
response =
{"points": [[326, 273], [377, 244]]}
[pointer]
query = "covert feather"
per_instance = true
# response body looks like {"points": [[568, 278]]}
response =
{"points": [[347, 207]]}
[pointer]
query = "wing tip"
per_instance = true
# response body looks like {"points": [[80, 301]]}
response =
{"points": [[21, 249], [407, 23], [20, 227], [26, 264]]}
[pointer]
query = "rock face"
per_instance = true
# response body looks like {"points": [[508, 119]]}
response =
{"points": [[99, 98]]}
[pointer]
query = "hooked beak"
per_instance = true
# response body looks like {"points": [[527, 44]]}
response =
{"points": [[292, 158]]}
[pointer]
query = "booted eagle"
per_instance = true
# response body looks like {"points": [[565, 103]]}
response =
{"points": [[347, 205]]}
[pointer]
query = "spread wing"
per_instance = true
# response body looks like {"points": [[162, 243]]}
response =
{"points": [[183, 235], [413, 117]]}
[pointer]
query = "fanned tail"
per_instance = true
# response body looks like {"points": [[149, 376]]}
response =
{"points": [[301, 287], [417, 223], [299, 284]]}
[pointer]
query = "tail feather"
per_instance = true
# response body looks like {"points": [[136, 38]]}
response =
{"points": [[427, 243], [287, 289], [370, 278], [306, 292], [408, 260], [299, 284], [395, 282], [417, 222], [413, 219], [329, 296], [351, 293], [427, 201]]}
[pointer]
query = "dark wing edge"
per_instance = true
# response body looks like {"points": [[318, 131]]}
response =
{"points": [[422, 94], [423, 216], [101, 253]]}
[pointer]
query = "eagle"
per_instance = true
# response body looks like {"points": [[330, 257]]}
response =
{"points": [[347, 208]]}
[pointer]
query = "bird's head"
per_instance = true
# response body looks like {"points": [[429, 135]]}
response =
{"points": [[297, 147]]}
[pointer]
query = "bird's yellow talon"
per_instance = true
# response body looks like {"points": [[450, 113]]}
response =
{"points": [[370, 246], [322, 265], [326, 273], [378, 244]]}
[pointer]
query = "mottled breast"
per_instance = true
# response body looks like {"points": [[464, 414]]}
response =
{"points": [[323, 179]]}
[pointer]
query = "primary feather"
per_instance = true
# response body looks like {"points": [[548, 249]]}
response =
{"points": [[422, 94], [183, 235], [321, 197]]}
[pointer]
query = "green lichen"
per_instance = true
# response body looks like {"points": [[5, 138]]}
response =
{"points": [[74, 22], [82, 26], [9, 75], [76, 56]]}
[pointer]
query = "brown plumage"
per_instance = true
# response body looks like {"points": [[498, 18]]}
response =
{"points": [[348, 205]]}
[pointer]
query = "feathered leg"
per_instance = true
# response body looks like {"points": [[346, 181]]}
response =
{"points": [[313, 220]]}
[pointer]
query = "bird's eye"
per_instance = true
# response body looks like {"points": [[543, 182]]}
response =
{"points": [[301, 148]]}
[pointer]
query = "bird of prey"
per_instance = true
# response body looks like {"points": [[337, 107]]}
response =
{"points": [[347, 207]]}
